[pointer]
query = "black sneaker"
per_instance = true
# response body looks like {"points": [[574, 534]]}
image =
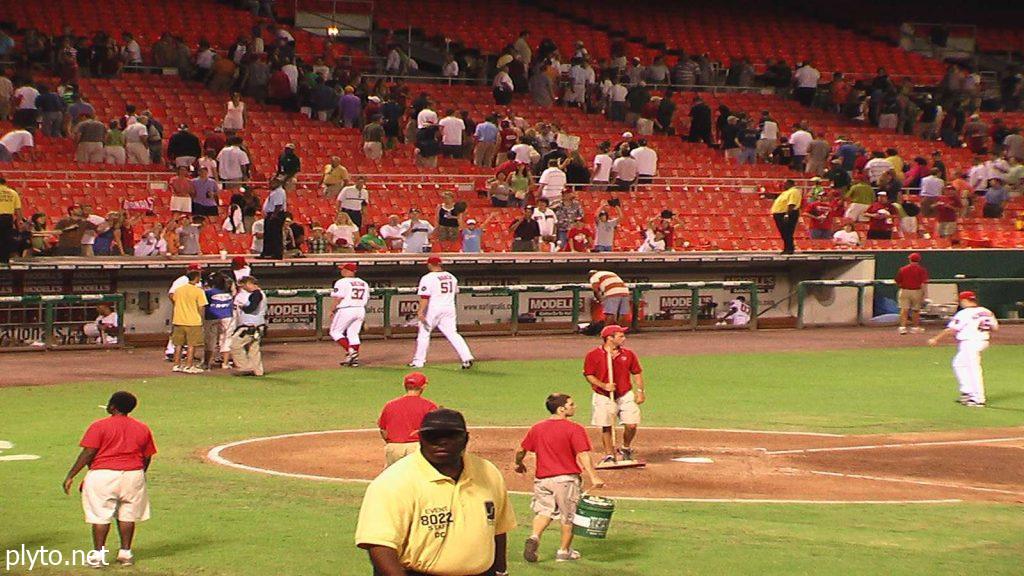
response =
{"points": [[530, 549]]}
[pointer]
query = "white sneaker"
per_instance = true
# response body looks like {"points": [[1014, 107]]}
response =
{"points": [[917, 330], [567, 555], [902, 330], [125, 558], [193, 370], [177, 368], [414, 365]]}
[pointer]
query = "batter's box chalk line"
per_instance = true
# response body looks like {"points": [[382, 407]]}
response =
{"points": [[215, 456], [6, 445]]}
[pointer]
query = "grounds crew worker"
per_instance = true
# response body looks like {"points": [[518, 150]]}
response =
{"points": [[401, 418], [251, 305], [10, 213], [563, 453], [439, 511]]}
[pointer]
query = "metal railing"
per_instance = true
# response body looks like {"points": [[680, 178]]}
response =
{"points": [[862, 285]]}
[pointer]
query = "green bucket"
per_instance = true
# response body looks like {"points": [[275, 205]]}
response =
{"points": [[593, 515]]}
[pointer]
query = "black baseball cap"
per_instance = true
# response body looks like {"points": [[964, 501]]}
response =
{"points": [[443, 420]]}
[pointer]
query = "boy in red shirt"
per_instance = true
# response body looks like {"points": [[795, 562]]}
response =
{"points": [[881, 218], [947, 208], [580, 237], [400, 419], [614, 395], [822, 215], [563, 452], [117, 451]]}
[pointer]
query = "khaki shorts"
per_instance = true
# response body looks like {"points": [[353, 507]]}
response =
{"points": [[557, 497], [181, 204], [107, 494], [217, 334], [605, 410], [190, 335], [395, 451], [911, 299]]}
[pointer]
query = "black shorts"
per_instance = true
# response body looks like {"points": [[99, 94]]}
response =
{"points": [[203, 210]]}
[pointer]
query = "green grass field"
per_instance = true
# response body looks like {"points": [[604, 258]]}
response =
{"points": [[212, 520]]}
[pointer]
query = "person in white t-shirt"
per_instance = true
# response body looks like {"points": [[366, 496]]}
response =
{"points": [[16, 142], [739, 312], [436, 309], [416, 233], [602, 173], [847, 236], [233, 163], [972, 326], [552, 183], [654, 241], [800, 140], [524, 153], [624, 170], [392, 233], [546, 219], [104, 329], [25, 97], [94, 225], [351, 295], [344, 233], [426, 117], [353, 199], [256, 246], [646, 162], [806, 79], [452, 129]]}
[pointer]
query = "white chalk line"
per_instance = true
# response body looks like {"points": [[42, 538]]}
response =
{"points": [[918, 482], [214, 455], [899, 445]]}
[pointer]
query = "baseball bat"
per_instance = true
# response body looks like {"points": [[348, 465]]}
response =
{"points": [[611, 394]]}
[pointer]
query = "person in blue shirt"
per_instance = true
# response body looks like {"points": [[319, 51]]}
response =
{"points": [[995, 199], [472, 235], [219, 321], [486, 136]]}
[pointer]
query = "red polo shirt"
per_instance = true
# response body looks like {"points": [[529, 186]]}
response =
{"points": [[401, 418], [121, 443], [821, 208], [624, 363], [883, 224], [912, 276], [556, 442]]}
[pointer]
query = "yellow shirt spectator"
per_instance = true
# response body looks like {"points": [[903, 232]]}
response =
{"points": [[791, 196], [188, 305], [10, 201], [336, 174], [435, 524]]}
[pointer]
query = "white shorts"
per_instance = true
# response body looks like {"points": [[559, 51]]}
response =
{"points": [[344, 319], [605, 409], [181, 204], [740, 319], [107, 494]]}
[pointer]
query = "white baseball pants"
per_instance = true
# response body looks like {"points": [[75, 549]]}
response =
{"points": [[347, 323], [444, 321], [967, 367]]}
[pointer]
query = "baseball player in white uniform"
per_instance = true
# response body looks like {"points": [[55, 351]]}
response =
{"points": [[972, 326], [437, 292], [351, 294], [178, 283], [739, 312]]}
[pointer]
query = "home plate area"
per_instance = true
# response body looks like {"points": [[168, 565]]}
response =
{"points": [[714, 465]]}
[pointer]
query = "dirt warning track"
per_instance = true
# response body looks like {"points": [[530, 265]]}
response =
{"points": [[754, 466]]}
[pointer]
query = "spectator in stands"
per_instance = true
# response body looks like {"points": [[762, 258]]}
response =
{"points": [[51, 110], [729, 134], [92, 225], [26, 113], [525, 231], [664, 223], [805, 80], [335, 177], [522, 48], [353, 199], [373, 139], [567, 214], [288, 166], [877, 166], [204, 58], [552, 182], [486, 137], [183, 148], [604, 226], [602, 170], [428, 144], [846, 237], [785, 211], [182, 191], [817, 155], [768, 138], [154, 137], [204, 197], [700, 122], [343, 233], [90, 136], [131, 53], [918, 171], [625, 170], [821, 215], [502, 87], [892, 156], [255, 77], [392, 233], [10, 215], [881, 217], [113, 145], [257, 231], [6, 94], [654, 241], [800, 140], [646, 162], [16, 142], [932, 187], [275, 209], [541, 88], [452, 129], [1013, 144], [996, 197], [927, 127], [234, 118], [151, 243], [349, 108], [976, 135], [233, 163], [947, 210], [279, 90], [188, 236], [416, 233]]}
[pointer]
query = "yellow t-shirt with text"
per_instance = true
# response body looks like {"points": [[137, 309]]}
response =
{"points": [[188, 302], [791, 196], [9, 200]]}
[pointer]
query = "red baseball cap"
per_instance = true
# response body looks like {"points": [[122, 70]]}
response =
{"points": [[415, 380], [967, 295], [239, 261], [195, 266], [611, 330], [348, 266], [434, 261], [914, 257]]}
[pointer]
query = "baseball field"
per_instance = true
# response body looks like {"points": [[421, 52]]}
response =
{"points": [[823, 452]]}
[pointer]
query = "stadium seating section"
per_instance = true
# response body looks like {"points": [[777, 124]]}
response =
{"points": [[718, 203]]}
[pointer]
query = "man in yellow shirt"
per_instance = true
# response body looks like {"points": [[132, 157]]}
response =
{"points": [[10, 212], [438, 511], [187, 323], [335, 178], [786, 213]]}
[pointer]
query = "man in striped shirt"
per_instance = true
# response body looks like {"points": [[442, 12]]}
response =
{"points": [[612, 293]]}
